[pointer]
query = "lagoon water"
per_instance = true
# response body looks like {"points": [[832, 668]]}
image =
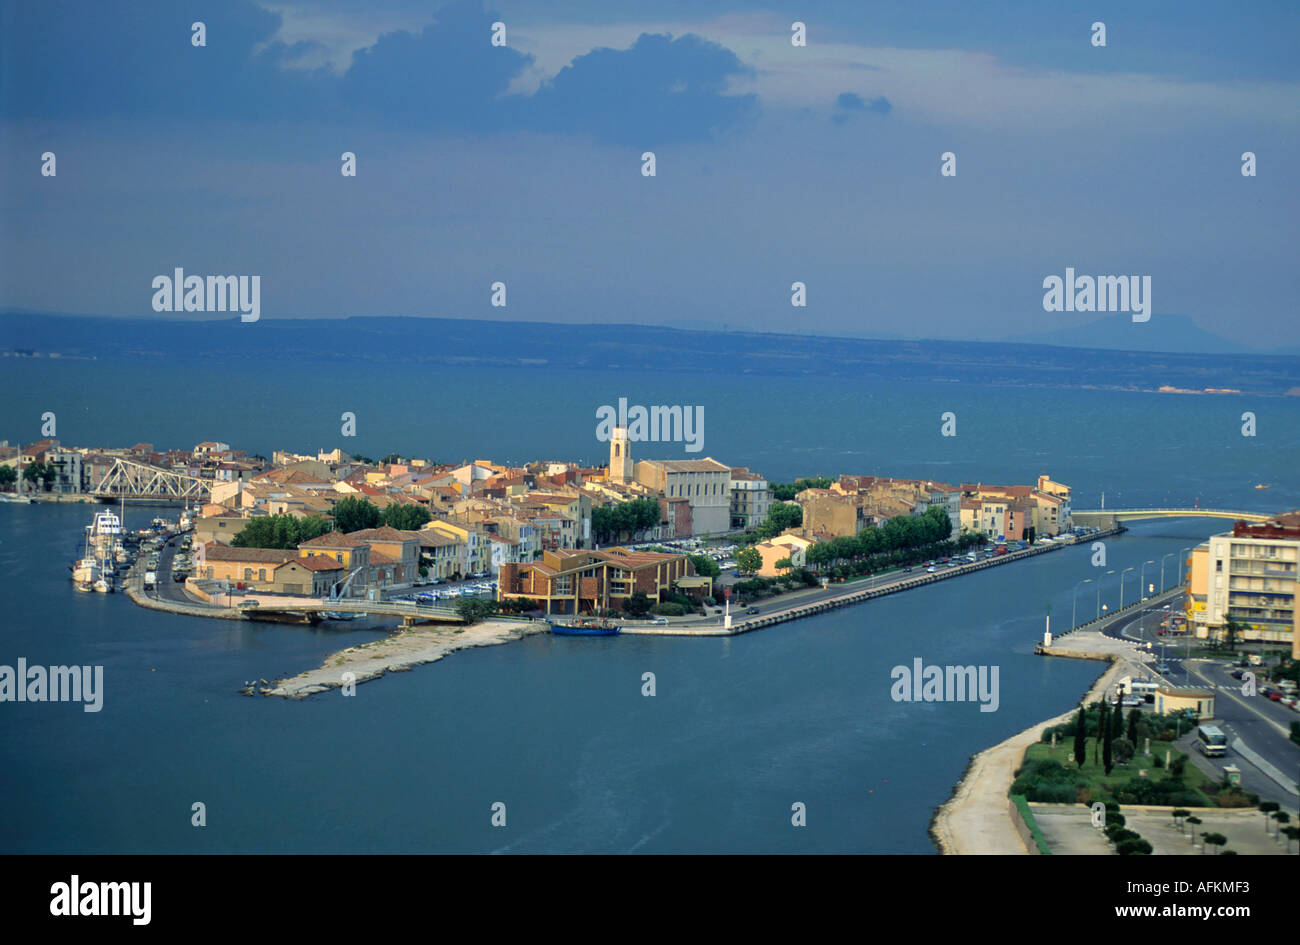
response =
{"points": [[557, 728]]}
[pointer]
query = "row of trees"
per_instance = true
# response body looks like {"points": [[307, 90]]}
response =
{"points": [[619, 522], [350, 514], [353, 514], [31, 473], [281, 531]]}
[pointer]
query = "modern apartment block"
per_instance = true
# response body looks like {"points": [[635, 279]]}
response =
{"points": [[1250, 576]]}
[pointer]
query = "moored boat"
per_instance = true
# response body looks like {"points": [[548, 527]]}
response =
{"points": [[584, 627]]}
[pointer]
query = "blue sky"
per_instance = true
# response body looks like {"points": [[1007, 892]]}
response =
{"points": [[774, 163]]}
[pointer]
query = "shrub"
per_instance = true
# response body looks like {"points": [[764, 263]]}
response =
{"points": [[1134, 846], [668, 610]]}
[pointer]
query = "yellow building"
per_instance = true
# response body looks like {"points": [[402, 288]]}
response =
{"points": [[780, 547], [1200, 701]]}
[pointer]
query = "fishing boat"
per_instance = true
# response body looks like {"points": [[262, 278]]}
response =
{"points": [[584, 627], [85, 573], [1261, 486], [338, 615]]}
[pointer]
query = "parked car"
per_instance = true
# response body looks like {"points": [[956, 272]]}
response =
{"points": [[1276, 695]]}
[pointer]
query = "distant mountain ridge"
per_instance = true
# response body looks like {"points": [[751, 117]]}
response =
{"points": [[1172, 333], [366, 342]]}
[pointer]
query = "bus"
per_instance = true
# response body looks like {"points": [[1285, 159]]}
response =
{"points": [[1143, 689], [1211, 741]]}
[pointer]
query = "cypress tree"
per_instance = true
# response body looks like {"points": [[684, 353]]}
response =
{"points": [[1080, 745], [1103, 731], [1106, 742], [1133, 716], [1117, 722]]}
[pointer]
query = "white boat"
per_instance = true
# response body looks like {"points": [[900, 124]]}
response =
{"points": [[16, 499], [104, 585], [85, 573]]}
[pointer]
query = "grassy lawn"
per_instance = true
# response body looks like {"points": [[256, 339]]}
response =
{"points": [[1099, 784]]}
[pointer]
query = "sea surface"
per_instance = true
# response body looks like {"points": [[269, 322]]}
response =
{"points": [[557, 729]]}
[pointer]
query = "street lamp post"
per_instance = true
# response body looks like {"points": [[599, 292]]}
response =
{"points": [[1099, 594], [1074, 607], [1162, 569], [1121, 586], [1142, 577]]}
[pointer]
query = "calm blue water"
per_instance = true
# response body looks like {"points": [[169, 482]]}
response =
{"points": [[1141, 449], [557, 728]]}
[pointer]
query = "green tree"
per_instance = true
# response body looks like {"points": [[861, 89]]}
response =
{"points": [[390, 459], [1122, 749], [705, 566], [8, 476], [1292, 834], [406, 516], [1103, 734], [1232, 632], [748, 560], [638, 605], [280, 531], [472, 609], [1266, 808], [1213, 840], [780, 516], [353, 514], [1134, 717], [32, 472], [784, 564], [1080, 738], [786, 491]]}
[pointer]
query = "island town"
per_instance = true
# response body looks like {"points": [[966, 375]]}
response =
{"points": [[634, 538], [479, 553]]}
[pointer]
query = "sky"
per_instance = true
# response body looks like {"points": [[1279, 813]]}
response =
{"points": [[774, 164]]}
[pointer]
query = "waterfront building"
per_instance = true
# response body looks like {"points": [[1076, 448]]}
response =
{"points": [[312, 577], [219, 527], [1250, 575], [351, 553], [444, 555], [252, 568], [704, 483], [750, 498], [831, 514], [574, 581], [394, 554], [782, 546]]}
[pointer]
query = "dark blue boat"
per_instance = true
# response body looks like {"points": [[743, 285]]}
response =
{"points": [[584, 627]]}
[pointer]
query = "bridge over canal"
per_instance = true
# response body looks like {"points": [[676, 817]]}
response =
{"points": [[1108, 518]]}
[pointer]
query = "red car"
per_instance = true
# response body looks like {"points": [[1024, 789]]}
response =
{"points": [[1275, 695]]}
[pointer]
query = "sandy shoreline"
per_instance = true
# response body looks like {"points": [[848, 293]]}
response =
{"points": [[977, 819], [398, 653]]}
